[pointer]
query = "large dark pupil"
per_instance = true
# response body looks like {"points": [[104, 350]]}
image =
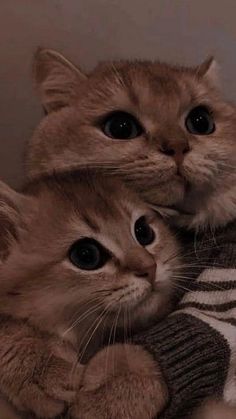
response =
{"points": [[200, 121], [121, 127], [143, 232], [88, 255]]}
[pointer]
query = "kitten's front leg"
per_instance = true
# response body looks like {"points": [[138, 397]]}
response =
{"points": [[39, 374], [121, 381]]}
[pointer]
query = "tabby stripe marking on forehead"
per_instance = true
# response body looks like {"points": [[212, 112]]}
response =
{"points": [[91, 223]]}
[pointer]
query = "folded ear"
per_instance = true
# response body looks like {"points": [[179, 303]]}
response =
{"points": [[57, 80], [209, 70], [165, 212], [12, 205]]}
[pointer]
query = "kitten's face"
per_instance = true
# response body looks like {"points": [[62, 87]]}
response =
{"points": [[164, 129], [90, 252]]}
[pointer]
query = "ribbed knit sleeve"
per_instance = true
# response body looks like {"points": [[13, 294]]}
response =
{"points": [[194, 359]]}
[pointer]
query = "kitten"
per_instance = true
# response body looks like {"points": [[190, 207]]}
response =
{"points": [[81, 256], [165, 129]]}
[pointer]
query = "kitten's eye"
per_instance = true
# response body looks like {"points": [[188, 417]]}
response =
{"points": [[199, 121], [87, 254], [121, 126], [143, 232]]}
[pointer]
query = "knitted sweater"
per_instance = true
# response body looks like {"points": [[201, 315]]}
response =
{"points": [[196, 344]]}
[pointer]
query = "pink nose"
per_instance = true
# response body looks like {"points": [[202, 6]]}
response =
{"points": [[176, 149], [140, 263], [148, 272]]}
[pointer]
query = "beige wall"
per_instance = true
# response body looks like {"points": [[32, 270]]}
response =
{"points": [[184, 31]]}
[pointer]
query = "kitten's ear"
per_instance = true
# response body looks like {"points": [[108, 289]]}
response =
{"points": [[165, 212], [57, 80], [12, 206], [209, 70]]}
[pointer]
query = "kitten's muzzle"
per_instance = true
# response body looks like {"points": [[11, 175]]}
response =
{"points": [[177, 149], [141, 263], [148, 272]]}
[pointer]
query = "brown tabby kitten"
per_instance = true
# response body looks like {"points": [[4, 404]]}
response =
{"points": [[165, 129], [81, 256]]}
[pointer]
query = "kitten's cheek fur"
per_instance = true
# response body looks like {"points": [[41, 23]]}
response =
{"points": [[121, 381]]}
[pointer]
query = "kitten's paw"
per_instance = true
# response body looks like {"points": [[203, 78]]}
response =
{"points": [[121, 381], [62, 373], [53, 382], [34, 400]]}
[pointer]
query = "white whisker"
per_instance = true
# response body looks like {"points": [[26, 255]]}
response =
{"points": [[94, 326]]}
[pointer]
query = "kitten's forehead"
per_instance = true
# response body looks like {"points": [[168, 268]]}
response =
{"points": [[88, 203], [145, 85]]}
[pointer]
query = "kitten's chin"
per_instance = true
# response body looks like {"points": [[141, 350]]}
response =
{"points": [[166, 194], [153, 308], [140, 313]]}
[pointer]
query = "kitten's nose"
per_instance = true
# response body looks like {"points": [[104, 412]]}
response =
{"points": [[141, 263], [148, 272], [176, 149]]}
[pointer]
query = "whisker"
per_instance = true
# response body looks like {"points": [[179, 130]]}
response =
{"points": [[197, 265], [183, 277], [126, 325], [203, 284], [113, 332], [109, 343], [94, 326], [184, 254], [206, 285], [83, 316], [177, 286], [129, 322]]}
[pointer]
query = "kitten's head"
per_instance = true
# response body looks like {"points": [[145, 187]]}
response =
{"points": [[80, 250], [165, 129]]}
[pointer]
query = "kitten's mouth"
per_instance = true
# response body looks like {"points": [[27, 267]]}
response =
{"points": [[179, 172], [180, 175], [135, 298]]}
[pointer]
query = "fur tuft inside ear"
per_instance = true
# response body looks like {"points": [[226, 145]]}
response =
{"points": [[209, 70], [165, 212], [57, 80]]}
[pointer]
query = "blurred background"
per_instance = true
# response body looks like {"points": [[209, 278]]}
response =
{"points": [[88, 31]]}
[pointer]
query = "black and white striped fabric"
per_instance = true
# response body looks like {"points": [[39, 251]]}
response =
{"points": [[214, 302]]}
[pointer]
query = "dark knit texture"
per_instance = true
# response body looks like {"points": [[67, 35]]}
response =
{"points": [[194, 359]]}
